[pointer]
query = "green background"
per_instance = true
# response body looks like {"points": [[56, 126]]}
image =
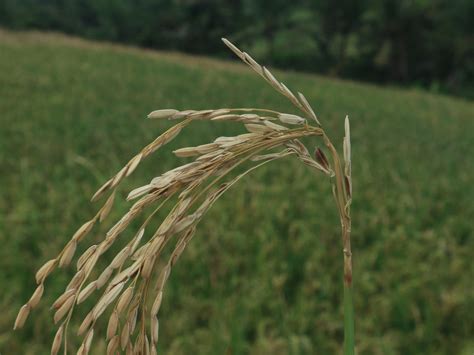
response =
{"points": [[263, 274], [415, 43]]}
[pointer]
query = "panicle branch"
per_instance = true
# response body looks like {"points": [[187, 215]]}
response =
{"points": [[126, 284]]}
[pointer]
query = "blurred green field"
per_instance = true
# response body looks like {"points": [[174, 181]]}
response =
{"points": [[263, 274]]}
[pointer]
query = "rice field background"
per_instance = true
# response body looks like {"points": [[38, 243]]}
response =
{"points": [[263, 274]]}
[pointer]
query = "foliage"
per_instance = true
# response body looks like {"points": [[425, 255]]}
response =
{"points": [[425, 43], [258, 277]]}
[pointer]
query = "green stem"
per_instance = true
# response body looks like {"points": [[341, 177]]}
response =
{"points": [[343, 201], [348, 298], [348, 321]]}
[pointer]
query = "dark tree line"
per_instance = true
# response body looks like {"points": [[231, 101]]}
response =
{"points": [[418, 42]]}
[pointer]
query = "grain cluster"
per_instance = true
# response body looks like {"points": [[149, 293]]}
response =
{"points": [[129, 291]]}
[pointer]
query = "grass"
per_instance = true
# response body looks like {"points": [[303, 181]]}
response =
{"points": [[263, 272]]}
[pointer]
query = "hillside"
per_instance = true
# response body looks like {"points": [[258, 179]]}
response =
{"points": [[263, 274]]}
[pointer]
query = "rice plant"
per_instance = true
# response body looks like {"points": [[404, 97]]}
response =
{"points": [[133, 283]]}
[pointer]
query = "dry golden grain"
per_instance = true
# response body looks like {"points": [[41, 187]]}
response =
{"points": [[107, 299], [186, 152], [274, 126], [157, 304], [253, 118], [88, 341], [233, 48], [177, 252], [184, 223], [140, 253], [287, 92], [113, 345], [137, 239], [118, 177], [155, 328], [347, 145], [112, 325], [147, 266], [120, 257], [200, 114], [268, 75], [257, 128], [122, 276], [165, 113], [104, 277], [124, 336], [86, 345], [22, 316], [101, 190], [86, 292], [271, 156], [65, 307], [36, 297], [57, 341], [291, 119], [83, 230], [124, 299], [45, 270], [347, 160], [139, 191], [308, 107], [133, 163], [86, 323], [85, 256], [90, 264], [76, 280], [132, 319], [181, 114], [61, 299], [105, 210], [147, 345], [248, 58], [68, 253], [219, 112], [168, 136], [163, 277], [226, 117], [321, 158]]}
